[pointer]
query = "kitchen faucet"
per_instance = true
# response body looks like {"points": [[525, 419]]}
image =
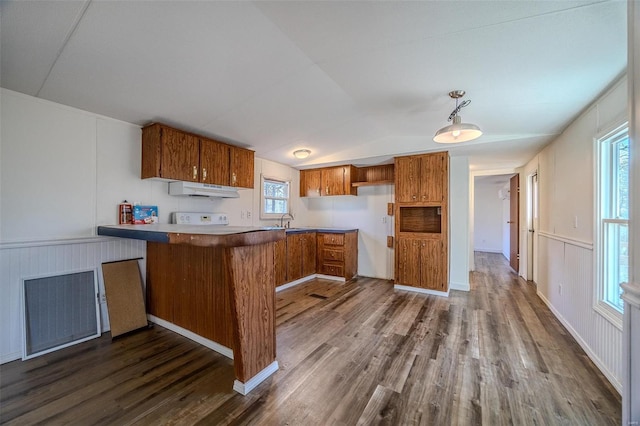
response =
{"points": [[288, 222]]}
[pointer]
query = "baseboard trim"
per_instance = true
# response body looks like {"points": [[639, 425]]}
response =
{"points": [[222, 350], [585, 347], [459, 286], [10, 357], [308, 278], [421, 290], [249, 385]]}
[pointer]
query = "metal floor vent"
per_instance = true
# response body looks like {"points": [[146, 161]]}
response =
{"points": [[60, 311]]}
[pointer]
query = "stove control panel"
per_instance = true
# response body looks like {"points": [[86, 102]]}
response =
{"points": [[192, 218]]}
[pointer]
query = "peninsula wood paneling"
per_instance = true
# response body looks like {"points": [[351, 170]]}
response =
{"points": [[186, 286], [253, 307]]}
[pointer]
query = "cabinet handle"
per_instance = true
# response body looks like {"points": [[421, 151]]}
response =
{"points": [[327, 190], [233, 178], [195, 173], [414, 197], [204, 174]]}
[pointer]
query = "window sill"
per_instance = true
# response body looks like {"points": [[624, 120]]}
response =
{"points": [[609, 313]]}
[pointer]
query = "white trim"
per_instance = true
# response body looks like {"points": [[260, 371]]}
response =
{"points": [[309, 278], [609, 313], [249, 385], [217, 347], [631, 294], [573, 241], [420, 290], [10, 357], [96, 292], [330, 277], [488, 250], [53, 242], [594, 358], [459, 286]]}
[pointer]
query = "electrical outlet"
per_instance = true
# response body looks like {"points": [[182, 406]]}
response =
{"points": [[560, 289], [248, 214], [575, 221], [103, 298]]}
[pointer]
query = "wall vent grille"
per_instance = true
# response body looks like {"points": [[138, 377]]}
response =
{"points": [[60, 311]]}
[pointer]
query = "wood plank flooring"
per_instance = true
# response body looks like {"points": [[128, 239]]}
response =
{"points": [[352, 353]]}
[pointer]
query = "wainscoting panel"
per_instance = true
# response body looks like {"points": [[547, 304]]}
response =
{"points": [[567, 285], [23, 260]]}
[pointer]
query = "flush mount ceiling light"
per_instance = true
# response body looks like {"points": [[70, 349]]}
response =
{"points": [[458, 131], [301, 153]]}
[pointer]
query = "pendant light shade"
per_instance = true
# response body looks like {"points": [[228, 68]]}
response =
{"points": [[458, 131]]}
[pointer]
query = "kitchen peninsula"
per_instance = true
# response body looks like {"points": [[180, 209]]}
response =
{"points": [[216, 286]]}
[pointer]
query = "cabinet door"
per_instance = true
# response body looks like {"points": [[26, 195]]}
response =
{"points": [[432, 177], [214, 162], [310, 183], [241, 167], [432, 265], [407, 179], [308, 254], [180, 156], [280, 262], [408, 262], [294, 257], [333, 181]]}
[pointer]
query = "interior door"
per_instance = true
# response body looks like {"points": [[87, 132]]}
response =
{"points": [[514, 212]]}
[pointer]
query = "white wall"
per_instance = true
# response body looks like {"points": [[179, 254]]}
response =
{"points": [[459, 205], [368, 213], [565, 257], [487, 217]]}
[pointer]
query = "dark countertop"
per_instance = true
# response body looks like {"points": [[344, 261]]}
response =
{"points": [[203, 236], [324, 230]]}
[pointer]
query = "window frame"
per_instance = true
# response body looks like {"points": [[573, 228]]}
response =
{"points": [[604, 192], [266, 215]]}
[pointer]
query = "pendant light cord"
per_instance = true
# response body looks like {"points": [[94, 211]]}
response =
{"points": [[458, 108]]}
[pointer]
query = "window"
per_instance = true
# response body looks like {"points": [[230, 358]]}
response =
{"points": [[275, 198], [613, 220]]}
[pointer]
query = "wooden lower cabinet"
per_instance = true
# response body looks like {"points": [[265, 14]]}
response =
{"points": [[422, 263], [338, 254], [308, 253], [280, 262]]}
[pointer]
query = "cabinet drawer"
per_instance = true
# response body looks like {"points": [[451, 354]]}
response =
{"points": [[332, 254], [332, 269], [333, 239]]}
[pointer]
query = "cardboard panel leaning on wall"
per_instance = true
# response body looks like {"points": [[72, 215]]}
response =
{"points": [[48, 170]]}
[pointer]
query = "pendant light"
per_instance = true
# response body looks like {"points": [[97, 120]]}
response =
{"points": [[458, 131]]}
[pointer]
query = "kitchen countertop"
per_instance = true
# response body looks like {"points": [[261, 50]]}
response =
{"points": [[319, 229], [197, 235]]}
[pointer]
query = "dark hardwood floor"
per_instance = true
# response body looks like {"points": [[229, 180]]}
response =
{"points": [[354, 353]]}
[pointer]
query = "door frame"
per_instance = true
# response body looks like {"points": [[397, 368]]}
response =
{"points": [[472, 195], [533, 218]]}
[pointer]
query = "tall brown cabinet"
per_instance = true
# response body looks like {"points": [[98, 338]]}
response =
{"points": [[421, 221]]}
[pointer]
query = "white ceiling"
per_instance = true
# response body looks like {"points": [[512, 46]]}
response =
{"points": [[354, 82]]}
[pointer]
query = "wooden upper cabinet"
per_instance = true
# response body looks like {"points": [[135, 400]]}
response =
{"points": [[241, 167], [173, 154], [310, 183], [332, 181], [328, 181], [421, 178], [170, 154], [214, 162]]}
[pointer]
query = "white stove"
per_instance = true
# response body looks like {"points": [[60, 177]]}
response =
{"points": [[194, 218]]}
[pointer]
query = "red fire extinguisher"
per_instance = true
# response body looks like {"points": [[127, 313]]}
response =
{"points": [[125, 213]]}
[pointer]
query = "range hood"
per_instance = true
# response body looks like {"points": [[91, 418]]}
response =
{"points": [[196, 189]]}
